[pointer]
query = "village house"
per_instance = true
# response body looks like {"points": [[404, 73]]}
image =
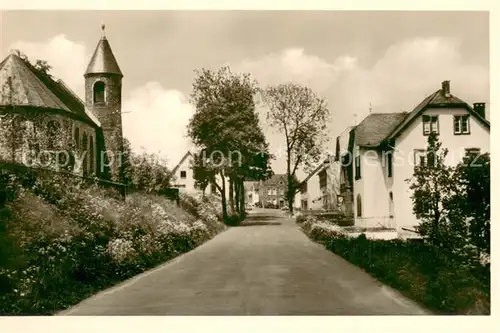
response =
{"points": [[251, 192], [272, 192], [384, 148], [321, 189], [44, 124], [311, 194], [183, 177]]}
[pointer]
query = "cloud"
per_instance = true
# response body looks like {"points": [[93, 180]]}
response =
{"points": [[67, 58], [158, 118], [397, 81], [157, 121], [406, 73]]}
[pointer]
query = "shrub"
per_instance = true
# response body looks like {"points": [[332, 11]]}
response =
{"points": [[420, 272], [453, 203], [67, 242], [232, 220], [300, 219]]}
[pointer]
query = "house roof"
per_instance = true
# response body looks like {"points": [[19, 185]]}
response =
{"points": [[174, 170], [436, 100], [342, 145], [274, 180], [103, 60], [376, 127], [317, 170], [22, 85]]}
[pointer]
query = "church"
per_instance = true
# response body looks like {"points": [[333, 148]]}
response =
{"points": [[44, 124]]}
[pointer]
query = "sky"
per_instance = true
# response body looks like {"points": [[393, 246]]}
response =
{"points": [[354, 59]]}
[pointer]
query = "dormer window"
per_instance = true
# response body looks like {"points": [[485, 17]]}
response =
{"points": [[99, 92]]}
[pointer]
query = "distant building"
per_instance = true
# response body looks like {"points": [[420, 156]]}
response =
{"points": [[45, 124], [182, 174], [272, 192], [384, 148], [251, 192], [183, 177]]}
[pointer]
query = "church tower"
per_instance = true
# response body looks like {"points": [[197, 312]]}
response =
{"points": [[103, 97]]}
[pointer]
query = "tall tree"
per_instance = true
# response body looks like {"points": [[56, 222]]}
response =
{"points": [[203, 174], [434, 188], [301, 117], [474, 199], [225, 126]]}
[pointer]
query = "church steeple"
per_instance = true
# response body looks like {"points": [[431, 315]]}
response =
{"points": [[103, 97], [103, 61]]}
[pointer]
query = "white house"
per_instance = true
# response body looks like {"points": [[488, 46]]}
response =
{"points": [[184, 180], [322, 189], [183, 174], [251, 192], [311, 194], [384, 148]]}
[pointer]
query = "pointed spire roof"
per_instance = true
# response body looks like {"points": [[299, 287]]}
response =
{"points": [[103, 60], [20, 86]]}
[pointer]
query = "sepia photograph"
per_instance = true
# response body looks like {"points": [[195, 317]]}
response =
{"points": [[244, 163]]}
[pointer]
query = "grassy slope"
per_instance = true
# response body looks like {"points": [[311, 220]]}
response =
{"points": [[64, 242]]}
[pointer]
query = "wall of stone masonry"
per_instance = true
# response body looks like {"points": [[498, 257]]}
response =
{"points": [[48, 139], [109, 115]]}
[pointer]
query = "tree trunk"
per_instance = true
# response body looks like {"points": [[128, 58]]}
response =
{"points": [[242, 201], [223, 197], [231, 194], [290, 191], [237, 195]]}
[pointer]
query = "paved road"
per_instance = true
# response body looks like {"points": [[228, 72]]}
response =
{"points": [[267, 267]]}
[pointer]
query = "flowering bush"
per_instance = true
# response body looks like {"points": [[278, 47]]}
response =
{"points": [[65, 242], [317, 229]]}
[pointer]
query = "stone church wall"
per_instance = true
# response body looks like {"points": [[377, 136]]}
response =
{"points": [[48, 139]]}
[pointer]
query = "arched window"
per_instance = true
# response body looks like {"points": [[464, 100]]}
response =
{"points": [[99, 92], [85, 166], [53, 127], [359, 207], [91, 155], [77, 137]]}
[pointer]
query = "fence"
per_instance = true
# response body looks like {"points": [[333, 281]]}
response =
{"points": [[376, 222]]}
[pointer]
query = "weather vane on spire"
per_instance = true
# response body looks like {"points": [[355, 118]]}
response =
{"points": [[103, 27]]}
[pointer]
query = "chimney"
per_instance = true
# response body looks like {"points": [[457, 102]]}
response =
{"points": [[445, 88], [480, 108]]}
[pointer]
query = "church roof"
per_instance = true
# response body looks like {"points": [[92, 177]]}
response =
{"points": [[20, 86], [103, 60]]}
